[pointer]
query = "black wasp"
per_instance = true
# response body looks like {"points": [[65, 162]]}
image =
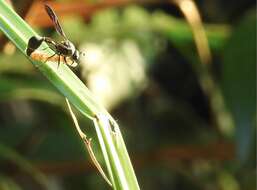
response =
{"points": [[64, 48]]}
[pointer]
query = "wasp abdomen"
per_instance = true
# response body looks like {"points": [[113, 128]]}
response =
{"points": [[33, 43]]}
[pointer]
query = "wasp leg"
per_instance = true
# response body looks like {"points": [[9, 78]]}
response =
{"points": [[72, 62], [59, 61], [49, 57], [65, 60]]}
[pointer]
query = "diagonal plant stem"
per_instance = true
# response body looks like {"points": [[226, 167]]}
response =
{"points": [[193, 18], [77, 93], [222, 117]]}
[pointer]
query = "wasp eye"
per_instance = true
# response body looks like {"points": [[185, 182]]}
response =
{"points": [[75, 56]]}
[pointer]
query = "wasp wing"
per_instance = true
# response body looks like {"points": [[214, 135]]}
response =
{"points": [[55, 20], [52, 44]]}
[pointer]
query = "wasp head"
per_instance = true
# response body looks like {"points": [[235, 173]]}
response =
{"points": [[75, 55]]}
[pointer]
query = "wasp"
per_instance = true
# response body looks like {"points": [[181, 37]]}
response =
{"points": [[65, 48]]}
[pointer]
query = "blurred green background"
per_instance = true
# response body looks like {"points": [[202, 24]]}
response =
{"points": [[141, 63]]}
